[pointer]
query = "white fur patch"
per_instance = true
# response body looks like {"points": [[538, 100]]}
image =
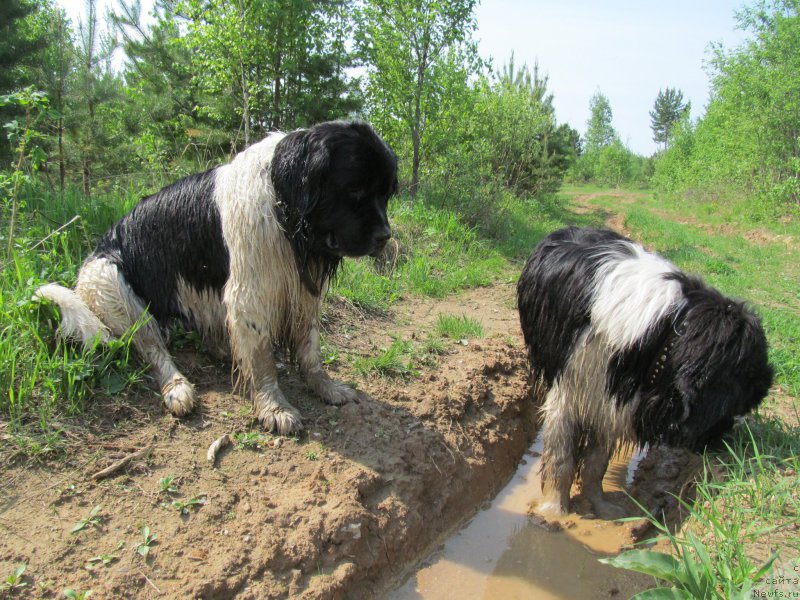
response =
{"points": [[264, 296], [631, 295]]}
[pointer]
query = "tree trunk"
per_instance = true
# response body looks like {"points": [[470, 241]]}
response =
{"points": [[416, 126], [62, 167]]}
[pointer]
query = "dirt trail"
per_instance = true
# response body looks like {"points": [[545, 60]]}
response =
{"points": [[344, 510], [338, 512]]}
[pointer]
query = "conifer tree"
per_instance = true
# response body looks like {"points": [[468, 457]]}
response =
{"points": [[668, 109]]}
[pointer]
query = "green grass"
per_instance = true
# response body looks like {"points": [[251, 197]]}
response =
{"points": [[458, 327], [395, 361], [439, 255], [742, 524], [42, 379]]}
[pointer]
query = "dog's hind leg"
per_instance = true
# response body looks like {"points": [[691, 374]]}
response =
{"points": [[596, 454], [104, 290], [561, 435], [309, 357]]}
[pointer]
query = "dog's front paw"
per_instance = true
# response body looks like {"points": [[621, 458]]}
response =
{"points": [[278, 415], [338, 393], [179, 395], [605, 509], [551, 508]]}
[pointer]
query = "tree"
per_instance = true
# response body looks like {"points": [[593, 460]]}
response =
{"points": [[749, 136], [668, 109], [95, 86], [270, 64], [403, 43], [20, 40], [530, 152], [599, 131]]}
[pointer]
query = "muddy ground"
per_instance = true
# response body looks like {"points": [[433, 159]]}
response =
{"points": [[341, 511]]}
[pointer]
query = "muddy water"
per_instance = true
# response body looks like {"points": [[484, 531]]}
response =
{"points": [[503, 554]]}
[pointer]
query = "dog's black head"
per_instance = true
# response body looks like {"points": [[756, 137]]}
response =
{"points": [[716, 368], [333, 183]]}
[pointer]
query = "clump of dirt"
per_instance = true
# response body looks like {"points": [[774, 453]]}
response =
{"points": [[336, 512]]}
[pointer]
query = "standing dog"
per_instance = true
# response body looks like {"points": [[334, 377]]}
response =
{"points": [[628, 349], [243, 254]]}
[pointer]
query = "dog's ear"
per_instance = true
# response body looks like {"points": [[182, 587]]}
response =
{"points": [[299, 168]]}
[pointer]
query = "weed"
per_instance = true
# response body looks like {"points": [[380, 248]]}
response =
{"points": [[92, 520], [76, 595], [105, 559], [14, 581], [165, 485], [250, 440], [459, 327], [434, 345], [394, 361], [752, 501], [148, 540], [184, 507]]}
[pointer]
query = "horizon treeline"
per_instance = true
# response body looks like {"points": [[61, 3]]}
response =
{"points": [[117, 100]]}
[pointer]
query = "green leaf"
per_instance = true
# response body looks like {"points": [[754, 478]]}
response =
{"points": [[662, 566], [663, 594]]}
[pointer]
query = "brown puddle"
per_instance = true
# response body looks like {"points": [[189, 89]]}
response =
{"points": [[504, 554]]}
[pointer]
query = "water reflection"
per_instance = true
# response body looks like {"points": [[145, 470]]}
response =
{"points": [[503, 554]]}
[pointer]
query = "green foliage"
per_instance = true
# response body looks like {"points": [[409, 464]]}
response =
{"points": [[749, 137], [604, 158], [92, 520], [148, 540], [599, 129], [459, 327], [20, 40], [668, 109], [14, 581], [410, 52], [753, 498]]}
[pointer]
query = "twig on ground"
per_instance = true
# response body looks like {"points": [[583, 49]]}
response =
{"points": [[216, 446], [122, 463]]}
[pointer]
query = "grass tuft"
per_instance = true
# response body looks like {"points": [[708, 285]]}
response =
{"points": [[459, 327]]}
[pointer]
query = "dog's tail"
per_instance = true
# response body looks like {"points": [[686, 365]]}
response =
{"points": [[77, 319]]}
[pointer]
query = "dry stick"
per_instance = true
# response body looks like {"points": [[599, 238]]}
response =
{"points": [[147, 579], [216, 446], [120, 464]]}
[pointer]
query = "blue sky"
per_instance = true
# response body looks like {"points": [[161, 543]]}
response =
{"points": [[627, 50]]}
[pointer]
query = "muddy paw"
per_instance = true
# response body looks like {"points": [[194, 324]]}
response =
{"points": [[281, 419], [608, 510], [550, 508], [338, 393], [179, 396]]}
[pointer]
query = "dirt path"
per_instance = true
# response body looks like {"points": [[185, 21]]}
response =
{"points": [[338, 512]]}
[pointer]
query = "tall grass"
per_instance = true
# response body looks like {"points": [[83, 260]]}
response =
{"points": [[743, 519], [437, 255], [43, 379]]}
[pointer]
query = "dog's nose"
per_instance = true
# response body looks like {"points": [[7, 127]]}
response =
{"points": [[382, 235]]}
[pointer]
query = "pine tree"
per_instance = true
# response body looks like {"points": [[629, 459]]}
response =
{"points": [[668, 109]]}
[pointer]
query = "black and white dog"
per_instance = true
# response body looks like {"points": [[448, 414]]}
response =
{"points": [[627, 349], [243, 254]]}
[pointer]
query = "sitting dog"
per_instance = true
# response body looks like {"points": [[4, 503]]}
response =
{"points": [[243, 254], [626, 348]]}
